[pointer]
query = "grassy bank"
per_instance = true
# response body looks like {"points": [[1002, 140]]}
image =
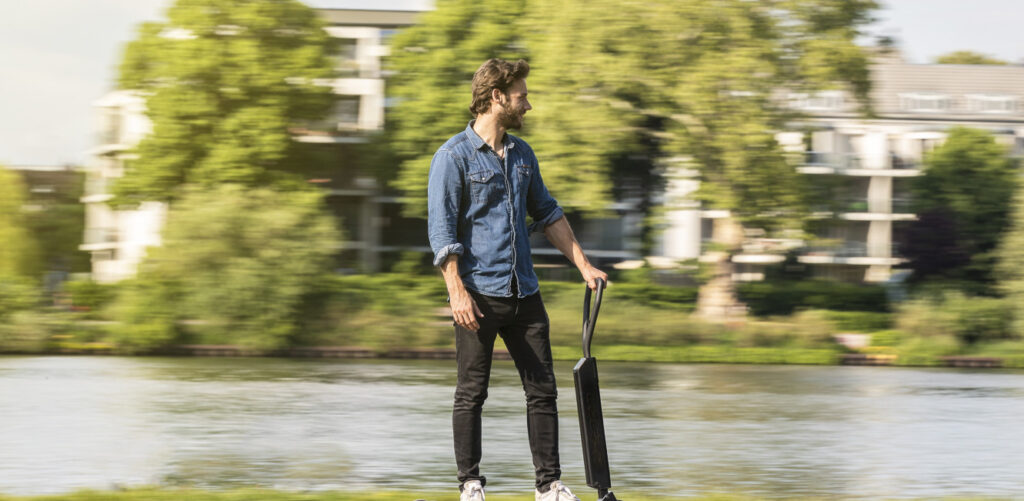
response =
{"points": [[268, 495], [639, 321]]}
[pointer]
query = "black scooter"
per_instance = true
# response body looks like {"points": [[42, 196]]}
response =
{"points": [[588, 404]]}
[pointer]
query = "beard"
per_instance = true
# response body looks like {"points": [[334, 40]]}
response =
{"points": [[510, 118]]}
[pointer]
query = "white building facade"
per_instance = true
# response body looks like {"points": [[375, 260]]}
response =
{"points": [[117, 239], [868, 163]]}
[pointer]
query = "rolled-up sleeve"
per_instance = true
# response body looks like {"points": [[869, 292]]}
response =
{"points": [[541, 206], [444, 195]]}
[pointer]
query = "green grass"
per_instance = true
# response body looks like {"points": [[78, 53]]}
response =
{"points": [[702, 354], [268, 495]]}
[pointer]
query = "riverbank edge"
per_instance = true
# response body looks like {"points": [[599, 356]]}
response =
{"points": [[156, 494], [699, 354], [172, 494]]}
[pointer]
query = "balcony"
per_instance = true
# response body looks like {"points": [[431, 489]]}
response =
{"points": [[866, 209], [99, 239], [850, 164], [851, 252]]}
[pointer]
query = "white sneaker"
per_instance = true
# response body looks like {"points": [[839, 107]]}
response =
{"points": [[557, 492], [472, 491]]}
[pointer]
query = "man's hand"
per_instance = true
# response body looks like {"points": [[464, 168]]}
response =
{"points": [[591, 274], [465, 310]]}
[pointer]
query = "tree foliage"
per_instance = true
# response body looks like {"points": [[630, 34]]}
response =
{"points": [[224, 81], [19, 252], [242, 262], [434, 63], [58, 225], [695, 80], [967, 57], [965, 191], [19, 263], [1011, 260]]}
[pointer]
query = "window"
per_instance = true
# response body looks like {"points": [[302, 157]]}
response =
{"points": [[925, 102], [348, 62], [346, 112], [110, 132], [386, 35], [824, 100], [989, 103]]}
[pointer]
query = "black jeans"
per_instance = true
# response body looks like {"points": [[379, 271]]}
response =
{"points": [[523, 325]]}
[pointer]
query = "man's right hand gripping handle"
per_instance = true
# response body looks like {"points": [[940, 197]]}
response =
{"points": [[464, 309]]}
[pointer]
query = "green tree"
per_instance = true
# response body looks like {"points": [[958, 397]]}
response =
{"points": [[968, 183], [967, 57], [19, 263], [58, 225], [225, 81], [242, 263], [434, 63], [619, 93], [699, 84], [1010, 267], [19, 252]]}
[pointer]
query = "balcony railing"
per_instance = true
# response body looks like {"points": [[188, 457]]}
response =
{"points": [[100, 235], [853, 161], [97, 186], [867, 205], [900, 162], [830, 159], [852, 249], [902, 206]]}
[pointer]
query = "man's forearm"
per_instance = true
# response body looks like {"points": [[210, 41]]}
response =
{"points": [[450, 272], [561, 236]]}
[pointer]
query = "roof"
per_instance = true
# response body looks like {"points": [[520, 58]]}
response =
{"points": [[964, 88]]}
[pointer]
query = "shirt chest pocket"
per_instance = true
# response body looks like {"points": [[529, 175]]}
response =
{"points": [[525, 171], [485, 186]]}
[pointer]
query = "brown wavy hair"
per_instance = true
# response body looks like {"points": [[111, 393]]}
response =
{"points": [[495, 74]]}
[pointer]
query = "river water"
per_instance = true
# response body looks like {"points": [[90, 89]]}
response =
{"points": [[771, 431]]}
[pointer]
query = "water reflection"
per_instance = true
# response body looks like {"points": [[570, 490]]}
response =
{"points": [[675, 429]]}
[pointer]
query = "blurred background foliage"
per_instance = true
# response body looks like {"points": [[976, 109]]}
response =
{"points": [[619, 94], [690, 83], [236, 265], [963, 201], [223, 107]]}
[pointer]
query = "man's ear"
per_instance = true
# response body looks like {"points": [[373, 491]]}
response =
{"points": [[496, 95]]}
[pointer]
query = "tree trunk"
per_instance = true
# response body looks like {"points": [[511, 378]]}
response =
{"points": [[716, 300]]}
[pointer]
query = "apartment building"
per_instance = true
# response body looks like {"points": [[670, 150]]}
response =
{"points": [[50, 190], [117, 239], [867, 164], [377, 232]]}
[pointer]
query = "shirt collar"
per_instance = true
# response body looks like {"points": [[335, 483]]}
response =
{"points": [[478, 142]]}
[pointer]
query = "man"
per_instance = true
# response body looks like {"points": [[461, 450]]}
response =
{"points": [[483, 183]]}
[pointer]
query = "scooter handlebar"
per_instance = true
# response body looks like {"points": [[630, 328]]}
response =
{"points": [[590, 317]]}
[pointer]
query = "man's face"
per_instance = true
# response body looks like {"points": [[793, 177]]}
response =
{"points": [[513, 106]]}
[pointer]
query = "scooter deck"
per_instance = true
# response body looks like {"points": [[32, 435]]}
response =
{"points": [[588, 404]]}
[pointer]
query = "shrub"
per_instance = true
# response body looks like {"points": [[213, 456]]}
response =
{"points": [[29, 331], [90, 295], [968, 319], [243, 262], [859, 321], [887, 338], [981, 318], [785, 297]]}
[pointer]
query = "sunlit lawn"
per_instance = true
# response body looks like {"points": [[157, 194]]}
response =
{"points": [[266, 495]]}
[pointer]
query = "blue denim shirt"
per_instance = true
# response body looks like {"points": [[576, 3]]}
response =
{"points": [[477, 208]]}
